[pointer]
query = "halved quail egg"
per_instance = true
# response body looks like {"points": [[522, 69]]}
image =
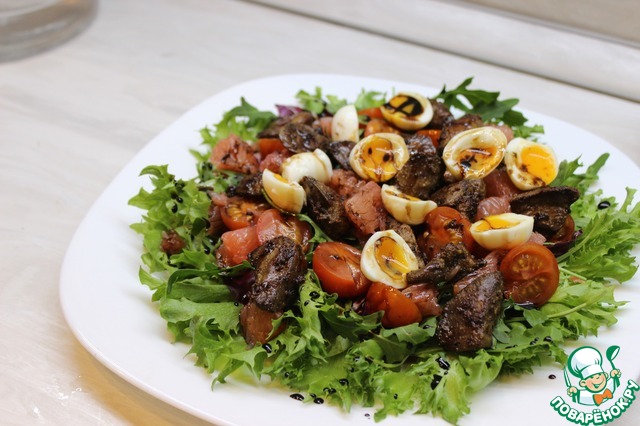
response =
{"points": [[530, 164], [405, 208], [408, 111], [282, 193], [387, 258], [474, 153], [345, 125], [379, 157], [315, 164], [502, 231]]}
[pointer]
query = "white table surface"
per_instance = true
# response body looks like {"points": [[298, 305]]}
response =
{"points": [[72, 117]]}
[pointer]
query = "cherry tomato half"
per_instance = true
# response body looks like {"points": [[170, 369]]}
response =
{"points": [[372, 113], [239, 212], [337, 266], [272, 223], [445, 225], [530, 274], [398, 309], [433, 134]]}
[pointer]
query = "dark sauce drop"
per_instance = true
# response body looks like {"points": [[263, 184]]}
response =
{"points": [[174, 209], [314, 295], [297, 396], [604, 205], [435, 381], [267, 347], [343, 382], [552, 376], [443, 363], [318, 401], [410, 106], [527, 305]]}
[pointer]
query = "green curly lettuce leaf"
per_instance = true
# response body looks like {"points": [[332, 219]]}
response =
{"points": [[244, 121], [317, 102]]}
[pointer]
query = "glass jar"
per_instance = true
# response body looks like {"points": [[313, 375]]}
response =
{"points": [[28, 27]]}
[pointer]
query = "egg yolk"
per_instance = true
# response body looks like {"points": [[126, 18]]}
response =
{"points": [[494, 222], [280, 178], [391, 258], [478, 161], [378, 159], [406, 105], [537, 161]]}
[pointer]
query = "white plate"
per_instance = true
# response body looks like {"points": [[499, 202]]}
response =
{"points": [[111, 314]]}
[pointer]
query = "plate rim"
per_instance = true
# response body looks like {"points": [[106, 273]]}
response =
{"points": [[67, 263]]}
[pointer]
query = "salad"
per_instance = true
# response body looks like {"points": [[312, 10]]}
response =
{"points": [[328, 247]]}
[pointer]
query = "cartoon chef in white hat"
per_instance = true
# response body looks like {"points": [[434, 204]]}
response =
{"points": [[586, 364]]}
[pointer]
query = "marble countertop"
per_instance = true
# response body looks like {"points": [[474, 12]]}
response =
{"points": [[73, 116]]}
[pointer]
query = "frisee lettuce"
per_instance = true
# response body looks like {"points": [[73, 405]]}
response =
{"points": [[244, 121], [329, 350], [317, 102]]}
